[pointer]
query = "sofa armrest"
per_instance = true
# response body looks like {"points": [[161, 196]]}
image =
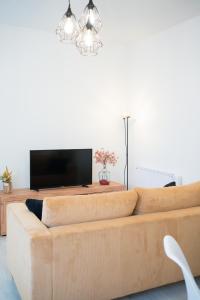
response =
{"points": [[29, 253]]}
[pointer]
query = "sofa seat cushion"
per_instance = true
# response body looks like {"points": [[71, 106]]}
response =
{"points": [[65, 210], [162, 199]]}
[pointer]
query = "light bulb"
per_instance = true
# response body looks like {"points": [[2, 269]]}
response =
{"points": [[69, 26], [91, 17], [88, 38]]}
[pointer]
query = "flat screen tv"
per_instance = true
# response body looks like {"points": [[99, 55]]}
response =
{"points": [[60, 168]]}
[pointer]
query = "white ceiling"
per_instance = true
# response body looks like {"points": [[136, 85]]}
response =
{"points": [[122, 20]]}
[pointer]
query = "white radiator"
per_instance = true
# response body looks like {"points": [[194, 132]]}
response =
{"points": [[145, 177]]}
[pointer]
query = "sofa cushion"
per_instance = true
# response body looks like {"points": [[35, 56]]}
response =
{"points": [[35, 206], [162, 199], [58, 211], [172, 183]]}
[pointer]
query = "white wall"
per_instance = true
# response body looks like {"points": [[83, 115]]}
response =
{"points": [[165, 101], [51, 97]]}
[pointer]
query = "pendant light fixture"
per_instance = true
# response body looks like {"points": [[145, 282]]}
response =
{"points": [[91, 15], [68, 29], [88, 42], [85, 33]]}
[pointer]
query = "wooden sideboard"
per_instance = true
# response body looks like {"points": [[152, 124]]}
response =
{"points": [[20, 195]]}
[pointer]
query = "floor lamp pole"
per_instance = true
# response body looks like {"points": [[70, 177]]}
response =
{"points": [[126, 119], [127, 153]]}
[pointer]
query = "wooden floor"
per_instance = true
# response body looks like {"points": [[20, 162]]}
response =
{"points": [[8, 290]]}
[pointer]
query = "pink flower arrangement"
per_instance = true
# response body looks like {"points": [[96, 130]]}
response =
{"points": [[105, 157]]}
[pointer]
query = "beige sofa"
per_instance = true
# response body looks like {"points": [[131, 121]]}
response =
{"points": [[104, 246]]}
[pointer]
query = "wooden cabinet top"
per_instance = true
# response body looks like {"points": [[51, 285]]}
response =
{"points": [[18, 194]]}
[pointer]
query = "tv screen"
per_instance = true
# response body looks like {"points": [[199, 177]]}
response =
{"points": [[60, 168]]}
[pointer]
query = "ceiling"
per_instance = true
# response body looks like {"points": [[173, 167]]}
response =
{"points": [[123, 20]]}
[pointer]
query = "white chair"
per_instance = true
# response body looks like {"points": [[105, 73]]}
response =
{"points": [[174, 252]]}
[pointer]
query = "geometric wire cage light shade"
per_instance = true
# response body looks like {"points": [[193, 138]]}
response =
{"points": [[88, 42], [90, 15], [83, 34], [68, 29]]}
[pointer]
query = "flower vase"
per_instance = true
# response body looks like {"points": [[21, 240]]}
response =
{"points": [[7, 187], [104, 176]]}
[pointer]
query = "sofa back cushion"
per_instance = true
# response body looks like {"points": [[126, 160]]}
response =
{"points": [[58, 211], [167, 199]]}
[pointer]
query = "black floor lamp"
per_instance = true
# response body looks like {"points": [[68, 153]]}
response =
{"points": [[126, 119]]}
